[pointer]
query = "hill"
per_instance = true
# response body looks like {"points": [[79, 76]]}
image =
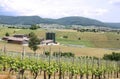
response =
{"points": [[29, 20], [79, 21], [114, 25]]}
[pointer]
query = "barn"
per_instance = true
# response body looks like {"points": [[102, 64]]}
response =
{"points": [[17, 39]]}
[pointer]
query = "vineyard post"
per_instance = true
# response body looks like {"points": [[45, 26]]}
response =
{"points": [[100, 61], [105, 72], [4, 49], [23, 53], [99, 75], [102, 64], [49, 75], [72, 74], [38, 56], [103, 75], [43, 50], [56, 55], [114, 64], [81, 63], [118, 68], [92, 67], [49, 55], [87, 74], [60, 73], [107, 65]]}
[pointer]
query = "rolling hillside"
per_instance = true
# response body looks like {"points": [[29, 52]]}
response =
{"points": [[29, 20]]}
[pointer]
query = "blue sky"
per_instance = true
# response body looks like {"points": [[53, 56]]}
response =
{"points": [[103, 10]]}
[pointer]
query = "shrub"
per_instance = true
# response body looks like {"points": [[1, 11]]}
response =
{"points": [[79, 38], [7, 34], [113, 56], [47, 53], [65, 36], [63, 54], [34, 27]]}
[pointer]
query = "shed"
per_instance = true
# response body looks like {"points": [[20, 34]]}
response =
{"points": [[46, 42]]}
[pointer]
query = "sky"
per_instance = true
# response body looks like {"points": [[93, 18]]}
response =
{"points": [[103, 10]]}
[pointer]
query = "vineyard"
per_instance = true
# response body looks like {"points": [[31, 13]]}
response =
{"points": [[40, 66]]}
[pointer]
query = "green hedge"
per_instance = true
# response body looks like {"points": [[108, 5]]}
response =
{"points": [[113, 56]]}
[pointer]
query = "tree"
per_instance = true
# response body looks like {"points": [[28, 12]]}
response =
{"points": [[31, 34], [79, 38], [65, 36], [113, 56], [7, 34], [34, 27], [33, 42]]}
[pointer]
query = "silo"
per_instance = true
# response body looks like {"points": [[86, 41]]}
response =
{"points": [[50, 36]]}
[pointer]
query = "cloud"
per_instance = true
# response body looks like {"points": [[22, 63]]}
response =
{"points": [[114, 1], [96, 12], [54, 8]]}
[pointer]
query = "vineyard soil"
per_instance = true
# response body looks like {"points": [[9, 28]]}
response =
{"points": [[39, 77]]}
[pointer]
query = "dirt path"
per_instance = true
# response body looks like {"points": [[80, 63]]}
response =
{"points": [[7, 77]]}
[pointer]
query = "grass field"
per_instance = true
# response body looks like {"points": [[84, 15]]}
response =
{"points": [[88, 39], [86, 51], [95, 44]]}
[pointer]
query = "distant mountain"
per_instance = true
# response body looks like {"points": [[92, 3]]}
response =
{"points": [[29, 20], [79, 21], [113, 25]]}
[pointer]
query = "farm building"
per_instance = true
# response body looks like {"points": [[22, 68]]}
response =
{"points": [[20, 36], [5, 38], [50, 36], [46, 42], [17, 39]]}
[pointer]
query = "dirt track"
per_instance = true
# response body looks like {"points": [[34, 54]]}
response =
{"points": [[7, 77]]}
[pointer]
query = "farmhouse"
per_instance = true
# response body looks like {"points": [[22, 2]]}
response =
{"points": [[17, 39], [20, 36]]}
